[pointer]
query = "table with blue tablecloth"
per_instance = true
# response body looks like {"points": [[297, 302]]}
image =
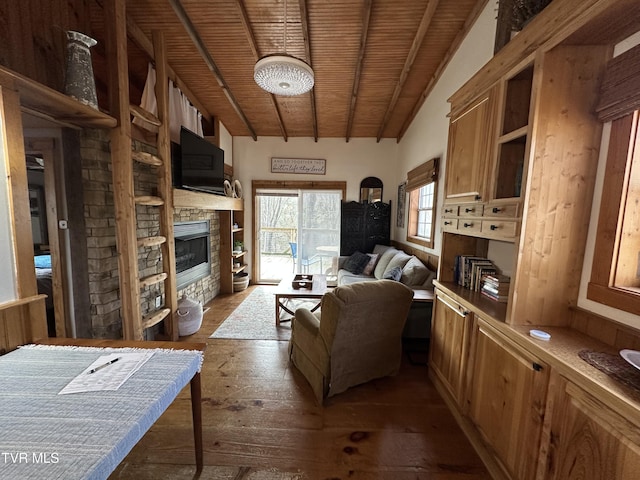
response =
{"points": [[86, 435]]}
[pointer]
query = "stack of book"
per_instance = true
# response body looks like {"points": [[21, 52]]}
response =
{"points": [[469, 271], [496, 287]]}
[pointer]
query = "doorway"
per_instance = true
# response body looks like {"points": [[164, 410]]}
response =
{"points": [[297, 230], [44, 180]]}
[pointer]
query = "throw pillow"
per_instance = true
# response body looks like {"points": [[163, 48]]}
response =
{"points": [[414, 272], [356, 262], [393, 274], [400, 259], [383, 261], [368, 269], [428, 283]]}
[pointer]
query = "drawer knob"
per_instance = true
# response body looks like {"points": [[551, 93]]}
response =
{"points": [[494, 227], [496, 210], [448, 210], [448, 223], [469, 210], [467, 225]]}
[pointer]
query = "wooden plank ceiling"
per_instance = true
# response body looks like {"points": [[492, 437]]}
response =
{"points": [[374, 60]]}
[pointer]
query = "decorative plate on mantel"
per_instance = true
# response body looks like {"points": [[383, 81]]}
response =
{"points": [[631, 356], [228, 189]]}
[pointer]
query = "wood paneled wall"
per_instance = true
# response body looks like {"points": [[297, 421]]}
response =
{"points": [[39, 28]]}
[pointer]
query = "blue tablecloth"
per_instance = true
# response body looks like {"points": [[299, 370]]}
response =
{"points": [[44, 435]]}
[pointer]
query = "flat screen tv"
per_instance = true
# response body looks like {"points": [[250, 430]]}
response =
{"points": [[197, 164]]}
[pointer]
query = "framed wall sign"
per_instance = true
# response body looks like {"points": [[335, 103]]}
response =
{"points": [[309, 166]]}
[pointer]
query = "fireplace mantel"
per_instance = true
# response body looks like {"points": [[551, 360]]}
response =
{"points": [[205, 201]]}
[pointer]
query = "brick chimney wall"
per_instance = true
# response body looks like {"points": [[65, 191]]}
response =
{"points": [[104, 287]]}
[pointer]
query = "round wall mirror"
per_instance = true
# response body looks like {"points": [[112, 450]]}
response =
{"points": [[371, 190]]}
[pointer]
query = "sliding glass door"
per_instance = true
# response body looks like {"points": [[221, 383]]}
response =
{"points": [[298, 231]]}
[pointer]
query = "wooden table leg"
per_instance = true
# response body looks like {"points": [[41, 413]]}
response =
{"points": [[277, 309], [196, 412]]}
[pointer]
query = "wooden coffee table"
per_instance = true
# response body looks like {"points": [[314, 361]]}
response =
{"points": [[285, 291]]}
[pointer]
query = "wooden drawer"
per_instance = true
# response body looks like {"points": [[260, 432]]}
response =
{"points": [[450, 224], [462, 210], [469, 226], [500, 228], [502, 210], [470, 210], [450, 210]]}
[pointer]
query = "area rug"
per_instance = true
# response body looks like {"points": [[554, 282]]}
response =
{"points": [[254, 318]]}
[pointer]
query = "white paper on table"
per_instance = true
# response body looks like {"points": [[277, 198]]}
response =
{"points": [[110, 377]]}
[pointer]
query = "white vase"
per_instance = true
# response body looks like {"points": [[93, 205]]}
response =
{"points": [[79, 81]]}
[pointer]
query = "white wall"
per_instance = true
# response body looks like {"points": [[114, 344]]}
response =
{"points": [[427, 136], [226, 144], [598, 308], [8, 272], [345, 161]]}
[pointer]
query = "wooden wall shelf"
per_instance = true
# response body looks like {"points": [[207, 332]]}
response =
{"points": [[205, 201], [46, 102]]}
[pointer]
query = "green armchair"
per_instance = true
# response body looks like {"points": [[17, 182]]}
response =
{"points": [[355, 337]]}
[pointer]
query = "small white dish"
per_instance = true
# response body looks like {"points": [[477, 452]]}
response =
{"points": [[540, 335], [631, 356]]}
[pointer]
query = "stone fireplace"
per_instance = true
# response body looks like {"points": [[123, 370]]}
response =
{"points": [[104, 317]]}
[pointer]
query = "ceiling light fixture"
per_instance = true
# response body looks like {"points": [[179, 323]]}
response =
{"points": [[283, 74]]}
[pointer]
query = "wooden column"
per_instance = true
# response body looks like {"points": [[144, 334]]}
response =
{"points": [[18, 192], [165, 187], [122, 169]]}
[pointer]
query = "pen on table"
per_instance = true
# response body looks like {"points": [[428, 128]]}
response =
{"points": [[94, 370]]}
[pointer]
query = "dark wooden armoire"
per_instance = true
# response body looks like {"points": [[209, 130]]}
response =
{"points": [[364, 225]]}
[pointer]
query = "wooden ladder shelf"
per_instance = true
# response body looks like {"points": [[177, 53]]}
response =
{"points": [[134, 323]]}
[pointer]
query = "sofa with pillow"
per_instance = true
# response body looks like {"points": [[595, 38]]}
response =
{"points": [[387, 262]]}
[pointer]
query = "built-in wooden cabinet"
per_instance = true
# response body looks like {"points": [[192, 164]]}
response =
{"points": [[506, 399], [540, 187], [448, 349], [471, 132], [495, 220], [587, 439], [522, 197]]}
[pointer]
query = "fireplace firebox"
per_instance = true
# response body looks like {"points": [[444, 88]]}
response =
{"points": [[193, 253]]}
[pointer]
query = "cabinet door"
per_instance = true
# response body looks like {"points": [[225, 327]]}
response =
{"points": [[470, 139], [587, 440], [506, 400], [449, 343]]}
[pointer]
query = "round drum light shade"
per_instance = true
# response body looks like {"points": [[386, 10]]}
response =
{"points": [[283, 75]]}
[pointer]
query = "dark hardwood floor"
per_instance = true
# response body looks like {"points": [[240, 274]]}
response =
{"points": [[260, 421]]}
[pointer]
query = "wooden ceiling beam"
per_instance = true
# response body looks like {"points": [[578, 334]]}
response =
{"points": [[204, 52], [366, 18], [256, 53], [471, 19], [411, 57], [304, 18]]}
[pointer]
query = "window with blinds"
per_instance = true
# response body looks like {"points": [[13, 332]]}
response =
{"points": [[422, 188]]}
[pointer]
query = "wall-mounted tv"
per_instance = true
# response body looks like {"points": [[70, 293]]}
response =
{"points": [[197, 164]]}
